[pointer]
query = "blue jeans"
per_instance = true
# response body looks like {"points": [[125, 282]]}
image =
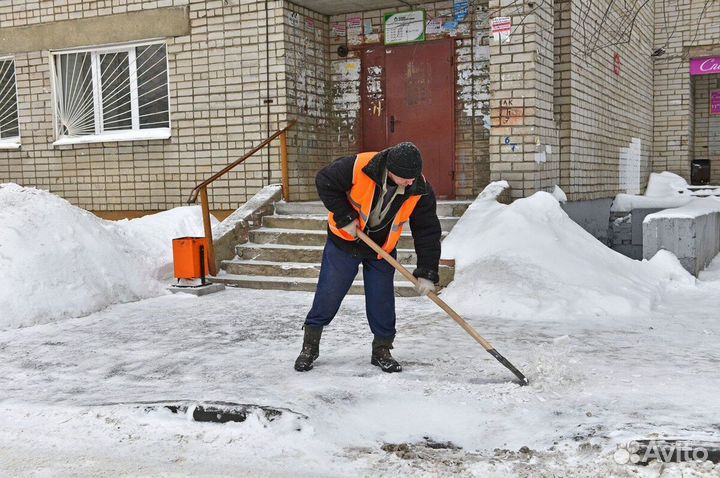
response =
{"points": [[337, 272]]}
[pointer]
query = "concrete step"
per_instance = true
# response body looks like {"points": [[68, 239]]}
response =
{"points": [[302, 237], [444, 208], [319, 222], [402, 289], [301, 269], [290, 253]]}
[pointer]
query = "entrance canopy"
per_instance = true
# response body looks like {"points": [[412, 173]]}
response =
{"points": [[335, 7]]}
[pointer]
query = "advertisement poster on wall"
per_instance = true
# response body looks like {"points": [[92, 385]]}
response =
{"points": [[354, 30], [715, 102], [500, 27]]}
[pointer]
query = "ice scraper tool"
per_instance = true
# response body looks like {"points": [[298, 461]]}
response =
{"points": [[454, 315]]}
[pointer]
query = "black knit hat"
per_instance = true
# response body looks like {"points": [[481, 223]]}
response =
{"points": [[404, 160]]}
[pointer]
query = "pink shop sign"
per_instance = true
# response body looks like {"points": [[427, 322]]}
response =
{"points": [[705, 66]]}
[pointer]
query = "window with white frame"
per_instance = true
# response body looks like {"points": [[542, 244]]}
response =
{"points": [[111, 94], [9, 127]]}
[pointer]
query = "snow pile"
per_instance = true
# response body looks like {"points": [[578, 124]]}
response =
{"points": [[245, 212], [59, 261], [693, 209], [666, 184], [530, 260], [664, 190]]}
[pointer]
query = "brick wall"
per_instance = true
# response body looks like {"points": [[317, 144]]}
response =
{"points": [[706, 131], [684, 29], [611, 105], [218, 89], [307, 83], [523, 138], [472, 115], [472, 87], [560, 114]]}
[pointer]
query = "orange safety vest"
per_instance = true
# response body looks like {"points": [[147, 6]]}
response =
{"points": [[361, 198]]}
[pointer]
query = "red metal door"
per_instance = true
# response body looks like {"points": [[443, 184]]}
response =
{"points": [[418, 93], [374, 133]]}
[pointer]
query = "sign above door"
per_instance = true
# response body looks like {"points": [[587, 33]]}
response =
{"points": [[705, 66], [404, 27]]}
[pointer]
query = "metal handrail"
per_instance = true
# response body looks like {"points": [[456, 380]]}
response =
{"points": [[201, 189], [207, 182]]}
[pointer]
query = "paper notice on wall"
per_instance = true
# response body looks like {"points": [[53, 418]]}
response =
{"points": [[368, 28], [294, 19], [500, 27], [354, 30], [450, 26], [460, 10], [338, 30], [435, 26], [482, 53], [347, 69]]}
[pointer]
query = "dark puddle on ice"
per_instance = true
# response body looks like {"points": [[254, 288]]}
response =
{"points": [[224, 412]]}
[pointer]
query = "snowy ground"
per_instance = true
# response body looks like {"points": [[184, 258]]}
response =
{"points": [[73, 390], [615, 350]]}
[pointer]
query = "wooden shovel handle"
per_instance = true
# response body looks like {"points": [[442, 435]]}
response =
{"points": [[432, 295]]}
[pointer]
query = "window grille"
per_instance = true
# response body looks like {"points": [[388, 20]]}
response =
{"points": [[112, 93], [9, 125]]}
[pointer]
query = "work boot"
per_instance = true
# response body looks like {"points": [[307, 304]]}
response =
{"points": [[381, 356], [310, 349]]}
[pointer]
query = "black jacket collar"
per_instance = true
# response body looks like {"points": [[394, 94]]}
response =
{"points": [[375, 168]]}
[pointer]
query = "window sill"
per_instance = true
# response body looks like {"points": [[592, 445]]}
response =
{"points": [[141, 135], [10, 145]]}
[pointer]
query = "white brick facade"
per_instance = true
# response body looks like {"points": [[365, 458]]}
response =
{"points": [[560, 113]]}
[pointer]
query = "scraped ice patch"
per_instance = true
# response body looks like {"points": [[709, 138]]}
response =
{"points": [[530, 260], [553, 367], [60, 261]]}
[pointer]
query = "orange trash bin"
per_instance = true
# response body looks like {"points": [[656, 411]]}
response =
{"points": [[186, 257]]}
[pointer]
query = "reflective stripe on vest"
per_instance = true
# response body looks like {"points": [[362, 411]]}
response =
{"points": [[361, 198]]}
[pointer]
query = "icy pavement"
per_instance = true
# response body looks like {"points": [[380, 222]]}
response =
{"points": [[73, 391]]}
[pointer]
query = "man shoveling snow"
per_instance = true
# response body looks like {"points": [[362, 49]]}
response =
{"points": [[376, 193]]}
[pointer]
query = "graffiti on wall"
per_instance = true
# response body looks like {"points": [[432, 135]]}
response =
{"points": [[511, 115]]}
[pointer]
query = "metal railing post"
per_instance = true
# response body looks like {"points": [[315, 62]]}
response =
{"points": [[284, 164], [208, 230]]}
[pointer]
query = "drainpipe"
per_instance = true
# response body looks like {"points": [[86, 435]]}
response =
{"points": [[268, 101]]}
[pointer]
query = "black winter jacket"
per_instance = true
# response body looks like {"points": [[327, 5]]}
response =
{"points": [[333, 184]]}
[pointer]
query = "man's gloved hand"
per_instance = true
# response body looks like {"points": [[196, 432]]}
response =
{"points": [[351, 228], [424, 286]]}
